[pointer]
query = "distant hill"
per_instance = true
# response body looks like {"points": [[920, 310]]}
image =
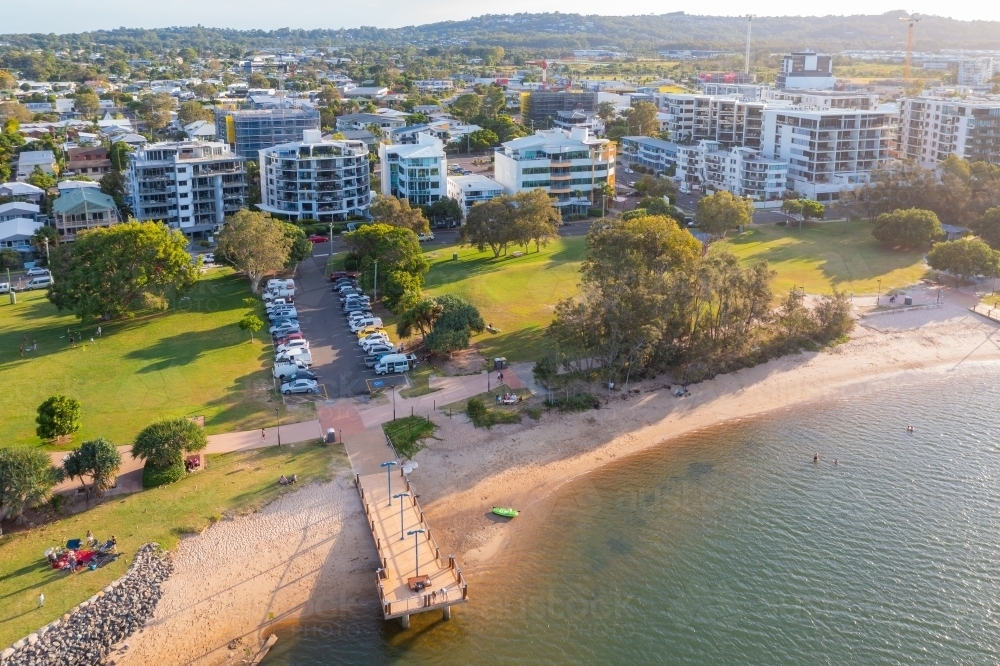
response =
{"points": [[560, 32]]}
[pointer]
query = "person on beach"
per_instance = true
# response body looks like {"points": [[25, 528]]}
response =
{"points": [[91, 539], [98, 331], [815, 457], [114, 544], [41, 599], [263, 435]]}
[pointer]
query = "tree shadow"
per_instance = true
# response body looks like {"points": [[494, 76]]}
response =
{"points": [[526, 344], [182, 349]]}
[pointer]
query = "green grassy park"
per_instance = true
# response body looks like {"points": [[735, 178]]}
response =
{"points": [[188, 361], [822, 256], [516, 294], [231, 483]]}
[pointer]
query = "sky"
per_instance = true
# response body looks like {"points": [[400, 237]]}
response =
{"points": [[62, 16]]}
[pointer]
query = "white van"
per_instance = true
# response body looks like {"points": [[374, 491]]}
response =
{"points": [[392, 363], [280, 284], [4, 287], [359, 324], [272, 294], [40, 282], [297, 355], [282, 370]]}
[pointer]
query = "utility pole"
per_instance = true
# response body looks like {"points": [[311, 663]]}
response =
{"points": [[375, 284], [746, 66], [331, 239], [46, 239]]}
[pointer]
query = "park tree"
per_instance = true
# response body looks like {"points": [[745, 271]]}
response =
{"points": [[833, 315], [401, 290], [651, 186], [192, 111], [633, 250], [155, 110], [965, 258], [482, 139], [255, 244], [520, 218], [533, 218], [642, 120], [454, 327], [58, 417], [394, 248], [988, 227], [791, 206], [162, 446], [399, 213], [607, 111], [10, 259], [720, 212], [87, 103], [100, 460], [907, 228], [27, 477], [420, 317], [445, 210], [812, 210], [108, 271], [42, 236], [251, 323], [301, 247], [657, 206], [466, 107]]}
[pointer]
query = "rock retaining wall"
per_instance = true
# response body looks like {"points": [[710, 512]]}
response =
{"points": [[87, 633]]}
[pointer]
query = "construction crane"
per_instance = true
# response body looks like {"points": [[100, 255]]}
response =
{"points": [[746, 66], [913, 19], [544, 64]]}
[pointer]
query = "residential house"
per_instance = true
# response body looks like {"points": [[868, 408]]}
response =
{"points": [[15, 209], [315, 179], [82, 208], [649, 153], [200, 130], [358, 121], [91, 162], [22, 192], [28, 160], [15, 234]]}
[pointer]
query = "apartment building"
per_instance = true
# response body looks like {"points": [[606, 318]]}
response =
{"points": [[650, 153], [470, 190], [821, 99], [315, 179], [250, 131], [82, 208], [805, 70], [974, 72], [731, 121], [742, 171], [434, 85], [415, 172], [189, 185], [828, 150], [932, 128], [571, 165], [539, 108], [359, 121]]}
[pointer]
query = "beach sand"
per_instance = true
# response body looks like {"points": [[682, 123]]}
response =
{"points": [[310, 552]]}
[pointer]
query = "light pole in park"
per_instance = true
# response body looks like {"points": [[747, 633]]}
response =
{"points": [[402, 528], [331, 239], [878, 294], [388, 476], [416, 549]]}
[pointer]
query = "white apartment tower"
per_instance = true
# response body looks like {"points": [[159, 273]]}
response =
{"points": [[571, 165], [730, 120], [805, 70], [188, 185], [931, 129], [827, 150], [974, 72], [315, 179], [415, 172]]}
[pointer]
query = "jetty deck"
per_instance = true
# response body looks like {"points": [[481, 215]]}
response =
{"points": [[400, 553]]}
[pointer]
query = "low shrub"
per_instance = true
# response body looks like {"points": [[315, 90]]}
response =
{"points": [[595, 212], [153, 476], [486, 417], [579, 402]]}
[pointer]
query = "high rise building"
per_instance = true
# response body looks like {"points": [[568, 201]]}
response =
{"points": [[806, 69], [932, 128], [730, 120], [828, 150], [974, 71], [315, 179], [540, 108], [417, 172], [189, 185], [250, 131], [571, 165]]}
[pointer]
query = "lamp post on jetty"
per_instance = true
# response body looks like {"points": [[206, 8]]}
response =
{"points": [[416, 548], [402, 528], [388, 476]]}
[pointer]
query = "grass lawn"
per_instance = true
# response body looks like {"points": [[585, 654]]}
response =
{"points": [[421, 382], [192, 360], [515, 294], [823, 256], [407, 432], [231, 483]]}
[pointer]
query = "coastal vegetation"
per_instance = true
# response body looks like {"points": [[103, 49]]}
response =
{"points": [[231, 484], [406, 433]]}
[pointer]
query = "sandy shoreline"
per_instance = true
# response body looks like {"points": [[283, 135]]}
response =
{"points": [[317, 557]]}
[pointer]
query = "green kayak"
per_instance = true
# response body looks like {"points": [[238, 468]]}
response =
{"points": [[505, 511]]}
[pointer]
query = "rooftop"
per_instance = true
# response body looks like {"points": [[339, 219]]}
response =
{"points": [[90, 196], [475, 182], [19, 226]]}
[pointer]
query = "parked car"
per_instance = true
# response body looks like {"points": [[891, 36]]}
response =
{"points": [[281, 283], [689, 221], [273, 294], [302, 374], [367, 330], [318, 238], [288, 338], [208, 257], [288, 370], [339, 275], [289, 313], [354, 308], [300, 356], [429, 236], [375, 322], [278, 303], [375, 350], [392, 363], [4, 287], [40, 282], [285, 327], [293, 344], [358, 314], [368, 340], [36, 272], [300, 386]]}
